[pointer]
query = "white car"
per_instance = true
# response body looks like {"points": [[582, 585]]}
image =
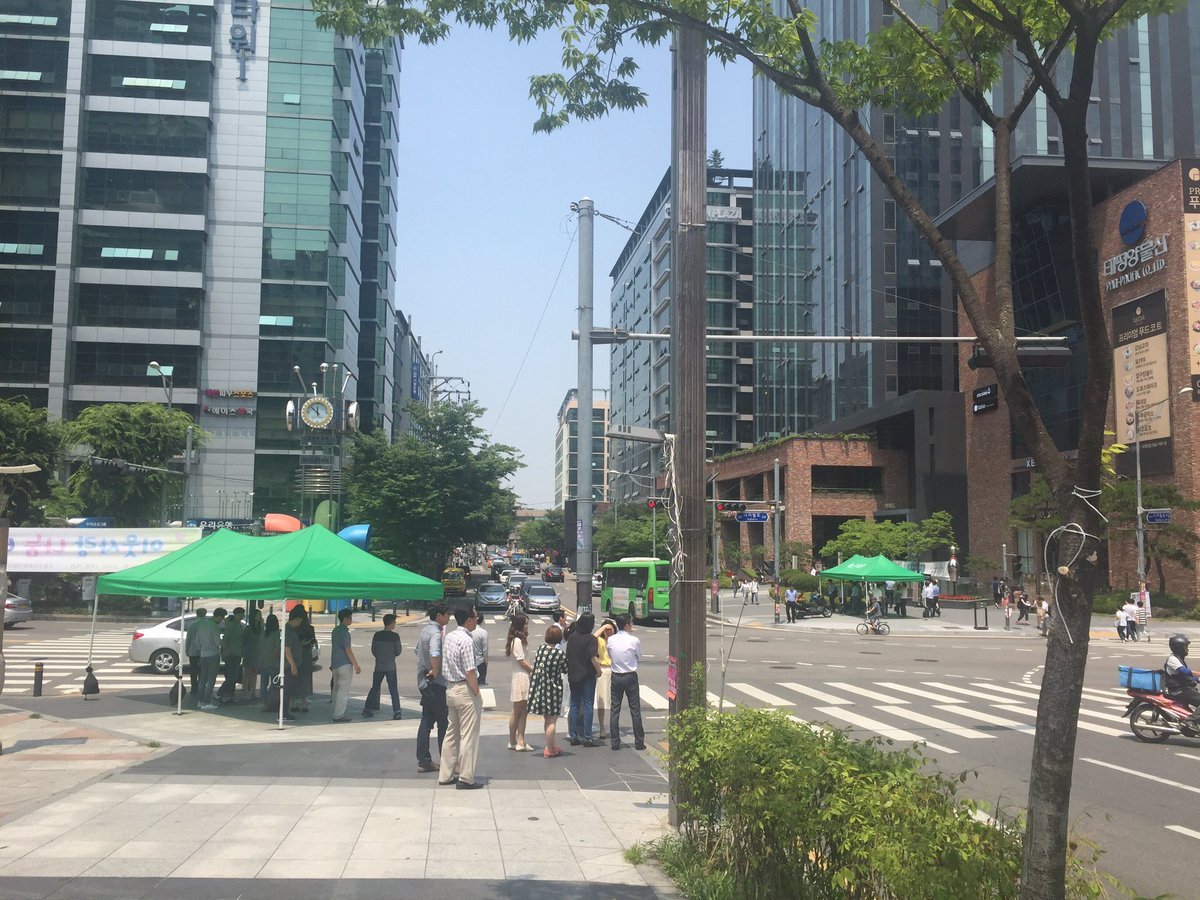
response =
{"points": [[506, 574], [597, 584], [17, 609], [157, 645]]}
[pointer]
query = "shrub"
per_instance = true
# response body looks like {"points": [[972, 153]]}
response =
{"points": [[799, 579], [777, 809]]}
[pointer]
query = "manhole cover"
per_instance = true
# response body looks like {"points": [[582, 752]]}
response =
{"points": [[783, 667], [918, 659]]}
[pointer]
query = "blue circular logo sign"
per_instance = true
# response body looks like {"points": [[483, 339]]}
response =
{"points": [[1133, 222]]}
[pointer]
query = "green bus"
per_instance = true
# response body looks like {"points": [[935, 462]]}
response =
{"points": [[639, 586]]}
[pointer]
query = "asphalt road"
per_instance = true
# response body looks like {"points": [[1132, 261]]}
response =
{"points": [[971, 698]]}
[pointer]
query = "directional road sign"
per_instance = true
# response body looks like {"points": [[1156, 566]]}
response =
{"points": [[752, 516], [1158, 517]]}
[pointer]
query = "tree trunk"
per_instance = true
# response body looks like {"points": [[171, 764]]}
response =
{"points": [[1162, 575]]}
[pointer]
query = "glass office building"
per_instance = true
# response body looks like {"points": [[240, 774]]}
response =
{"points": [[209, 185]]}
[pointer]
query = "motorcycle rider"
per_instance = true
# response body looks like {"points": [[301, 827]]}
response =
{"points": [[1181, 681]]}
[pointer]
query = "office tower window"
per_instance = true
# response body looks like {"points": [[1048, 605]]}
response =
{"points": [[143, 191], [147, 76], [152, 23], [33, 122], [138, 306], [141, 248], [146, 134]]}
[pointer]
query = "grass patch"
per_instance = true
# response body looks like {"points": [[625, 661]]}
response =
{"points": [[636, 855]]}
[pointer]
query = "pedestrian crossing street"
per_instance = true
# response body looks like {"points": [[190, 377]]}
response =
{"points": [[919, 711], [65, 659]]}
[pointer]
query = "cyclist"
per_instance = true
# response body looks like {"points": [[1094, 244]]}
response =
{"points": [[874, 613]]}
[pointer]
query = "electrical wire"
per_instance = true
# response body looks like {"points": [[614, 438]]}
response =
{"points": [[533, 336]]}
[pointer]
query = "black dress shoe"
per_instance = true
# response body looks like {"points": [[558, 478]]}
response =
{"points": [[469, 785], [575, 742], [453, 780], [591, 743], [431, 767], [617, 746], [639, 746], [396, 716], [367, 714]]}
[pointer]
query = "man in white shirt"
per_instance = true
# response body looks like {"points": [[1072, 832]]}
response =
{"points": [[625, 651], [1131, 619], [461, 748], [480, 638]]}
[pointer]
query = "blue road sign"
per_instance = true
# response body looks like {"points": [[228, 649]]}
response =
{"points": [[1158, 517], [752, 516]]}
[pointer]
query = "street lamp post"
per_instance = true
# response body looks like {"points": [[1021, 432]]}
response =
{"points": [[167, 374]]}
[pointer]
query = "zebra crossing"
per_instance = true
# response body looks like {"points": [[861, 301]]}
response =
{"points": [[64, 661], [935, 713]]}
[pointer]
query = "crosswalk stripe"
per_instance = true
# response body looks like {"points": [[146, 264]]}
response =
{"points": [[1024, 695], [1114, 696], [1086, 726], [879, 728], [652, 698], [751, 690], [917, 692], [966, 692], [488, 697], [987, 718], [931, 722], [869, 693], [815, 694], [1179, 829], [715, 700]]}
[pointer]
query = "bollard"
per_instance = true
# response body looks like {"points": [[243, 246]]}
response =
{"points": [[37, 679]]}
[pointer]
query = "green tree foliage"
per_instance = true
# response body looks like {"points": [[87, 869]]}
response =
{"points": [[1037, 509], [144, 434], [1164, 543], [630, 532], [432, 490], [935, 50], [27, 437], [895, 540], [544, 533]]}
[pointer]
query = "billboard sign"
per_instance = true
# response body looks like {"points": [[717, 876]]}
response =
{"points": [[1141, 389], [92, 550]]}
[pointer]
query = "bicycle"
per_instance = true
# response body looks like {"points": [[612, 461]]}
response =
{"points": [[866, 627]]}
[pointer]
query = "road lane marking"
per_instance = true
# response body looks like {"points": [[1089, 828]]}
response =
{"points": [[814, 693], [751, 690], [917, 692], [1179, 829], [1086, 726], [987, 718], [1175, 784], [879, 728], [939, 724], [653, 698], [869, 693], [1188, 755]]}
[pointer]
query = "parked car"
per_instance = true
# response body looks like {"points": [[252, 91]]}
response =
{"points": [[17, 609], [553, 573], [157, 645], [540, 597], [491, 595], [597, 584]]}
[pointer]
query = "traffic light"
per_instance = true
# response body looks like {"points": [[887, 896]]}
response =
{"points": [[727, 506]]}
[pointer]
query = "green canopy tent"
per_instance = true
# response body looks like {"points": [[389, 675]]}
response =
{"points": [[313, 563], [871, 568]]}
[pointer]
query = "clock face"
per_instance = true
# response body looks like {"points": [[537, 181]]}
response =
{"points": [[317, 412]]}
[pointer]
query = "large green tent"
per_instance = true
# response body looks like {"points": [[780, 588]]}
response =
{"points": [[871, 568], [311, 564]]}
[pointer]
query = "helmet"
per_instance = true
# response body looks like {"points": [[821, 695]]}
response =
{"points": [[1179, 645]]}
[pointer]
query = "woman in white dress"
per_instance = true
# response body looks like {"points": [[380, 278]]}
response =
{"points": [[516, 647]]}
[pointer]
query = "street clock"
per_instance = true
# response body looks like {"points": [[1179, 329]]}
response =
{"points": [[317, 412]]}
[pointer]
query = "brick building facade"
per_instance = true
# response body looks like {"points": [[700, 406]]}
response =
{"points": [[1149, 247]]}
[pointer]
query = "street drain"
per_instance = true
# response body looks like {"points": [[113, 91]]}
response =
{"points": [[783, 667], [918, 659], [869, 653]]}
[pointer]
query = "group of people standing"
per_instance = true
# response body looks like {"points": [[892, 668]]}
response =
{"points": [[1131, 620], [225, 639], [601, 670]]}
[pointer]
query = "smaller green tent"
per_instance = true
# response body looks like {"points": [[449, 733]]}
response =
{"points": [[311, 564], [871, 568]]}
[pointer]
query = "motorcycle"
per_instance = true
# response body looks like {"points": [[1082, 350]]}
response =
{"points": [[1155, 716], [515, 606]]}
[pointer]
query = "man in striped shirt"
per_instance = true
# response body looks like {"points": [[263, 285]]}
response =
{"points": [[461, 747]]}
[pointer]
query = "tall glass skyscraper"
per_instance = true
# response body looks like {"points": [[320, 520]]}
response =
{"points": [[210, 185]]}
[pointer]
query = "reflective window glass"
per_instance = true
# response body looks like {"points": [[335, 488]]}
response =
{"points": [[138, 306], [298, 145], [145, 134], [154, 192], [149, 76], [31, 122], [30, 179], [292, 199], [40, 17], [26, 296], [153, 23], [299, 90], [28, 238], [294, 254], [33, 66], [124, 363], [25, 355], [141, 248]]}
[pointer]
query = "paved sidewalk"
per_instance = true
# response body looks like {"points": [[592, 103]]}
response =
{"points": [[121, 798]]}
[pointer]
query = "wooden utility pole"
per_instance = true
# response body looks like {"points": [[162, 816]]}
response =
{"points": [[689, 242]]}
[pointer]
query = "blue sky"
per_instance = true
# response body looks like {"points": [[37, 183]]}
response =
{"points": [[485, 220]]}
